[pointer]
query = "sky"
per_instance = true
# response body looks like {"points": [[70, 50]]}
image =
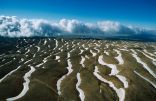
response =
{"points": [[134, 12]]}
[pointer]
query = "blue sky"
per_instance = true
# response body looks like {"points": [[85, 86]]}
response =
{"points": [[135, 12]]}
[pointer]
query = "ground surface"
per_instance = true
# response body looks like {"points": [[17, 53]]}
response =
{"points": [[47, 69]]}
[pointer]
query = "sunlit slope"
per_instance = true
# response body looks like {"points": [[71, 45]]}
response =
{"points": [[48, 69]]}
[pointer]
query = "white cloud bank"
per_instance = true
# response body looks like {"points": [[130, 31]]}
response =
{"points": [[11, 26]]}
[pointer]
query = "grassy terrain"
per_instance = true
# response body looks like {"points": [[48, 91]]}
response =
{"points": [[41, 53]]}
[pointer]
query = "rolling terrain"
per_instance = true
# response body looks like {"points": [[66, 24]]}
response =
{"points": [[50, 69]]}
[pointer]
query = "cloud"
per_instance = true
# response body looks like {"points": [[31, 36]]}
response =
{"points": [[11, 26]]}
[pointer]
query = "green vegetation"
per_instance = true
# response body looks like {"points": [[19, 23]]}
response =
{"points": [[50, 58]]}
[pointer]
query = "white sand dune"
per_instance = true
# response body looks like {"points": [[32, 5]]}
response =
{"points": [[25, 85], [93, 53], [68, 55], [86, 56], [81, 93], [154, 85], [82, 61], [18, 51], [56, 44], [148, 56], [38, 48], [27, 61], [44, 61], [106, 52], [81, 51], [34, 55], [120, 92], [25, 41], [70, 70], [27, 51], [124, 80], [48, 46], [22, 59], [39, 65], [57, 57], [59, 84], [119, 57], [97, 49], [6, 63], [149, 53], [114, 71], [145, 66], [9, 73], [45, 42]]}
